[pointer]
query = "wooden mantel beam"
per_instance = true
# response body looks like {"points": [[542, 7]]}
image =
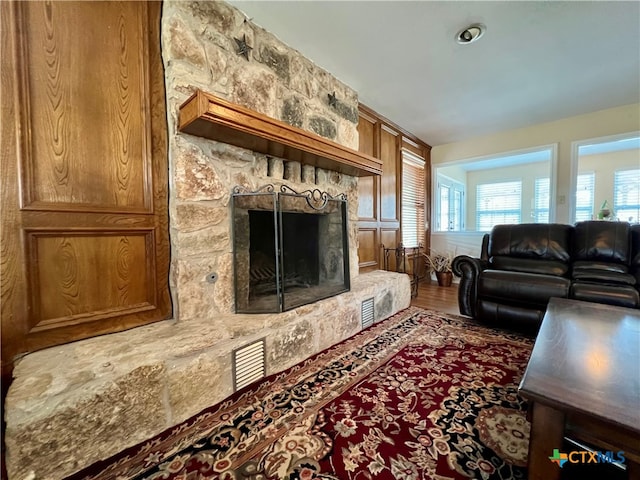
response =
{"points": [[211, 117]]}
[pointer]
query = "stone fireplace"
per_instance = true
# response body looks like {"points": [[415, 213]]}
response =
{"points": [[290, 249], [74, 404]]}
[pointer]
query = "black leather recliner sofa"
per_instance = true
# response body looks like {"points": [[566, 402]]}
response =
{"points": [[522, 266]]}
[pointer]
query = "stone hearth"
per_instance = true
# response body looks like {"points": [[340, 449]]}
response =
{"points": [[74, 404]]}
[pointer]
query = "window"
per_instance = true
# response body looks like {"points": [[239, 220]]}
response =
{"points": [[450, 205], [606, 170], [541, 200], [498, 203], [413, 200], [584, 196], [444, 194], [464, 199], [626, 195]]}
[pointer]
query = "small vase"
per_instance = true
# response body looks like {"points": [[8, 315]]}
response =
{"points": [[444, 278]]}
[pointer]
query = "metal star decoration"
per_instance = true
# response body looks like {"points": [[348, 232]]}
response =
{"points": [[243, 48], [333, 101]]}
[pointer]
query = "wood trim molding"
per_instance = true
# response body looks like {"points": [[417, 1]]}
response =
{"points": [[369, 112], [211, 117]]}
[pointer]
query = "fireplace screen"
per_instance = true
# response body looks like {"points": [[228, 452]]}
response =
{"points": [[290, 248]]}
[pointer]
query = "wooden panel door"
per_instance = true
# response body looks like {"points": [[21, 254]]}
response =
{"points": [[85, 188]]}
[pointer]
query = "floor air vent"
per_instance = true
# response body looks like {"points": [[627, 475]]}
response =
{"points": [[248, 364], [367, 313]]}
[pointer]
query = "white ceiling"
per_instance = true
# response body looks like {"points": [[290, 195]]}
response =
{"points": [[537, 61]]}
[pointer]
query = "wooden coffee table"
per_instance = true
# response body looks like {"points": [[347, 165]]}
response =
{"points": [[583, 380]]}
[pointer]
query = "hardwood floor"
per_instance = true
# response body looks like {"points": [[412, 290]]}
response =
{"points": [[433, 297]]}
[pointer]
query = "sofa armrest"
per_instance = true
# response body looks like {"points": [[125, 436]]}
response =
{"points": [[468, 269], [484, 252]]}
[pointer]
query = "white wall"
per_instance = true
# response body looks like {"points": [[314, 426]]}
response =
{"points": [[454, 172], [612, 121]]}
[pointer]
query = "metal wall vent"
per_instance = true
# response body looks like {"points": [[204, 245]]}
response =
{"points": [[367, 313], [248, 364]]}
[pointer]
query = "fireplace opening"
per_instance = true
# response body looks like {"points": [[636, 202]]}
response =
{"points": [[290, 249], [299, 252]]}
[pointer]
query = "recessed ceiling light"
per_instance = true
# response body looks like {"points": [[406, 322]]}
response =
{"points": [[470, 34]]}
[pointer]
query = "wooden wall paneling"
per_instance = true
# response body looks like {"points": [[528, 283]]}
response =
{"points": [[13, 292], [412, 146], [368, 197], [90, 109], [67, 167], [66, 271], [368, 248], [389, 153], [384, 139], [368, 186]]}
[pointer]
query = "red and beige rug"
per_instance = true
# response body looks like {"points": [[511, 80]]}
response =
{"points": [[421, 395]]}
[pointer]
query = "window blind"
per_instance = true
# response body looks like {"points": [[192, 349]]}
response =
{"points": [[498, 203], [626, 195], [584, 196], [541, 200], [413, 200]]}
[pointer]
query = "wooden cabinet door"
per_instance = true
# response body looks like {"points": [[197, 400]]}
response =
{"points": [[85, 247]]}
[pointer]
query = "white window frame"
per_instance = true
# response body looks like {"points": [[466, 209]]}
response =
{"points": [[535, 210], [593, 197], [575, 157], [616, 205], [454, 186]]}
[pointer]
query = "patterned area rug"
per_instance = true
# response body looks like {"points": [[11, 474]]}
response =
{"points": [[421, 395]]}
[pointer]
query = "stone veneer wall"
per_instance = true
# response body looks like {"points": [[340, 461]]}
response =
{"points": [[199, 50], [74, 404]]}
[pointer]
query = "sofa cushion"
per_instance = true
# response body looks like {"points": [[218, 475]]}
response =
{"points": [[602, 272], [602, 242], [604, 277], [622, 296], [600, 266], [531, 240], [528, 265], [518, 287]]}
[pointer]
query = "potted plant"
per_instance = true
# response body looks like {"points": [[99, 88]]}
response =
{"points": [[440, 263]]}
